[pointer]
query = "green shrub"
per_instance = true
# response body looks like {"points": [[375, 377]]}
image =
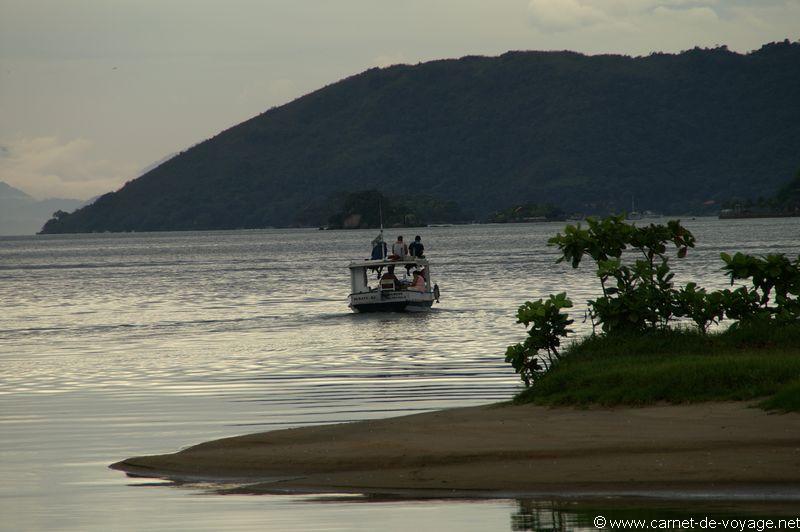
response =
{"points": [[775, 280], [637, 295], [547, 324], [702, 308], [639, 298]]}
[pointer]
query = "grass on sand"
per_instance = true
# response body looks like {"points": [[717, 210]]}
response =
{"points": [[677, 366]]}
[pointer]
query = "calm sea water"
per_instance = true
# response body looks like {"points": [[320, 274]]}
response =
{"points": [[120, 345]]}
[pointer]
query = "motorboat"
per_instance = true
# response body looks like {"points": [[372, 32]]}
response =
{"points": [[385, 285]]}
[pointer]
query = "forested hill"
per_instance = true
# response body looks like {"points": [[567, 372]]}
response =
{"points": [[585, 133]]}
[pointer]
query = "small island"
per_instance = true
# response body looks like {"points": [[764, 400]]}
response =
{"points": [[370, 209], [528, 212]]}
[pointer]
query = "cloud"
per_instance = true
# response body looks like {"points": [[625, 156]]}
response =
{"points": [[46, 167], [567, 15], [693, 15], [561, 15]]}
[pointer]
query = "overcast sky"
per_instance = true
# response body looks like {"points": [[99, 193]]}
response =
{"points": [[93, 91]]}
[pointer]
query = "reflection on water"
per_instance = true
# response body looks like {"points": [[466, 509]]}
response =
{"points": [[650, 515], [113, 345], [535, 515]]}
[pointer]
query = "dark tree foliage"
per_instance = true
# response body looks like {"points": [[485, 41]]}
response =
{"points": [[788, 196], [583, 132]]}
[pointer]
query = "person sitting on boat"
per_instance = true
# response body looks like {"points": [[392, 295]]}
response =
{"points": [[399, 249], [389, 281], [416, 249], [418, 285]]}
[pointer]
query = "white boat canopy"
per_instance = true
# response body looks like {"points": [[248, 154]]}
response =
{"points": [[377, 263]]}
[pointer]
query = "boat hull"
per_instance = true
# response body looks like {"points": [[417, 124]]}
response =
{"points": [[392, 307], [391, 301]]}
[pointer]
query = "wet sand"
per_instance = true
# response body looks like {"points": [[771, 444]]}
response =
{"points": [[705, 448]]}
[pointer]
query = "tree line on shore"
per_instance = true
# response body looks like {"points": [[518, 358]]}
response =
{"points": [[368, 208]]}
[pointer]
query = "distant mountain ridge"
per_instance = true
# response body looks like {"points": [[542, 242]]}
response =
{"points": [[9, 192], [21, 214], [585, 133]]}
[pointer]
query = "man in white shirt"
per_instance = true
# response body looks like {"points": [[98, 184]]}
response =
{"points": [[399, 248]]}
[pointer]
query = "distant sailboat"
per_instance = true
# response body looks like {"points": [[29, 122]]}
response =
{"points": [[634, 214]]}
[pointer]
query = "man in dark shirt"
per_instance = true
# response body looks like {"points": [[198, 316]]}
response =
{"points": [[416, 249]]}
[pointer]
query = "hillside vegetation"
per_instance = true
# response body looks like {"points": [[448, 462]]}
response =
{"points": [[586, 133]]}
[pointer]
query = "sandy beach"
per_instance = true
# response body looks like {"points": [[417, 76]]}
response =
{"points": [[503, 448]]}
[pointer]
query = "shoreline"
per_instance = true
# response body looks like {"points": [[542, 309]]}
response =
{"points": [[720, 450]]}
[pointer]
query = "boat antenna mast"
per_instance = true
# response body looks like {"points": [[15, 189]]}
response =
{"points": [[380, 214]]}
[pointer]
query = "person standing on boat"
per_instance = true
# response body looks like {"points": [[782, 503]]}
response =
{"points": [[399, 249], [416, 249]]}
